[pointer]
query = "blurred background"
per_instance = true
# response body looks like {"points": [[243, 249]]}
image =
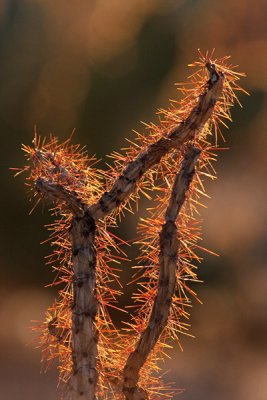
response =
{"points": [[100, 66]]}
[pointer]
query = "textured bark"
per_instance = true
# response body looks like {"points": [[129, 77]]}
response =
{"points": [[84, 333], [182, 133], [133, 172], [167, 280]]}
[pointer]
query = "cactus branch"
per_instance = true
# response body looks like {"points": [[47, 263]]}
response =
{"points": [[96, 361], [180, 134], [169, 247], [84, 307], [84, 335], [84, 310]]}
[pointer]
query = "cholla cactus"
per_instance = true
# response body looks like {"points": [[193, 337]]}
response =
{"points": [[168, 163]]}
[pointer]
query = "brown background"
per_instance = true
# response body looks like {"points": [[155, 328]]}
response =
{"points": [[101, 66]]}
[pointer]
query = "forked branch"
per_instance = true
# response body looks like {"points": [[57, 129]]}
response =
{"points": [[61, 173], [82, 234], [185, 131], [133, 172]]}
